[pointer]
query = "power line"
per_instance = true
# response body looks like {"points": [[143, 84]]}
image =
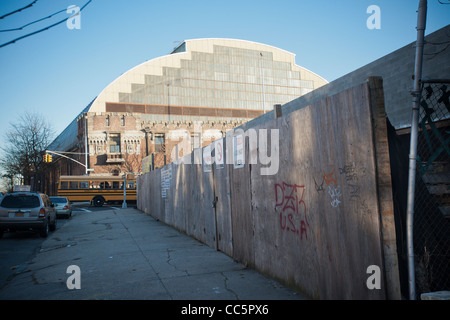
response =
{"points": [[28, 24], [41, 30], [18, 10]]}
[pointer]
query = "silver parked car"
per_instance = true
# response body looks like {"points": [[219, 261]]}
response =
{"points": [[63, 206], [27, 211]]}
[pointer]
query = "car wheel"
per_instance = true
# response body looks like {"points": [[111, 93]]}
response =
{"points": [[45, 230]]}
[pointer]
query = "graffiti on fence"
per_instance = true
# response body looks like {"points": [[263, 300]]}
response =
{"points": [[335, 194], [319, 187], [350, 174], [334, 189], [329, 178], [354, 191], [289, 200]]}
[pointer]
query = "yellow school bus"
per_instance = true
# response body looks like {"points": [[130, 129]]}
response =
{"points": [[97, 189]]}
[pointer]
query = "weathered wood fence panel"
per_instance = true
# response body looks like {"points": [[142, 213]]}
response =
{"points": [[318, 219], [207, 210], [180, 191], [241, 216], [283, 205], [350, 225], [194, 223], [222, 199]]}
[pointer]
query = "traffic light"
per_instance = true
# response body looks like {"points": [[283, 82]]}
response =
{"points": [[47, 158]]}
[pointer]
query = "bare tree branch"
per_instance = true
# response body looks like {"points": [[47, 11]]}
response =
{"points": [[25, 144]]}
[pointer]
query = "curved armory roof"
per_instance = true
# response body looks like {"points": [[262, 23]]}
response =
{"points": [[191, 54], [68, 139], [155, 67]]}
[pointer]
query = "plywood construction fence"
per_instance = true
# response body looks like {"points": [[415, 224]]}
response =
{"points": [[305, 198]]}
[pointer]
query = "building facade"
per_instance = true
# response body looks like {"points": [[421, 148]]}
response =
{"points": [[211, 84]]}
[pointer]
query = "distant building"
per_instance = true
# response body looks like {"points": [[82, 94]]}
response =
{"points": [[217, 84]]}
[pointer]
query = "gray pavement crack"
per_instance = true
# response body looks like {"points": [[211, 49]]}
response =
{"points": [[225, 280], [66, 245], [169, 262], [145, 257], [106, 224]]}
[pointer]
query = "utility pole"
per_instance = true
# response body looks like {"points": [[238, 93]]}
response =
{"points": [[421, 22], [85, 144]]}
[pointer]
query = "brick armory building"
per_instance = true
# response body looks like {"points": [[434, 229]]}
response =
{"points": [[217, 84]]}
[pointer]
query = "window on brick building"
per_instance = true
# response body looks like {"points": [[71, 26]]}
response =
{"points": [[114, 143], [159, 142]]}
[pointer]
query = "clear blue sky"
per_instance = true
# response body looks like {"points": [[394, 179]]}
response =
{"points": [[59, 71]]}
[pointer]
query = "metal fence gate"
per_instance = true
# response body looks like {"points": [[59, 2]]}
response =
{"points": [[432, 193]]}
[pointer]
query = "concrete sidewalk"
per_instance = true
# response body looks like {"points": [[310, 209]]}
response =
{"points": [[126, 254]]}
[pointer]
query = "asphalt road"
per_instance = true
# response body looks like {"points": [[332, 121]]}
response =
{"points": [[124, 254], [17, 249]]}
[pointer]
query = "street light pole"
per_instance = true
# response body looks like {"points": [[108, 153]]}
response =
{"points": [[85, 143], [124, 204]]}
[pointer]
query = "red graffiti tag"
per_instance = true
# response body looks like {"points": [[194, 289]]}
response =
{"points": [[328, 178], [289, 197]]}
